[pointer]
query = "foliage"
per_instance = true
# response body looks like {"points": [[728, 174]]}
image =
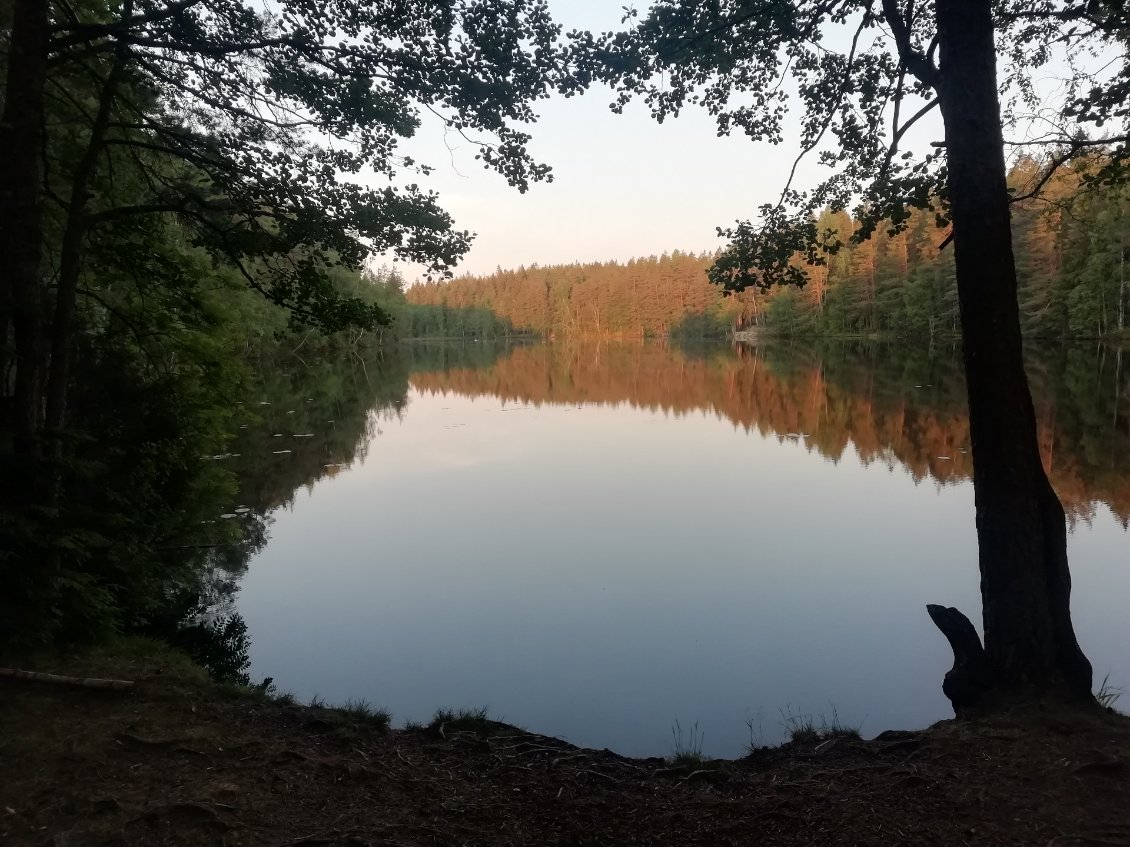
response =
{"points": [[644, 298], [136, 493], [439, 321], [1071, 276], [259, 129], [714, 323], [216, 640], [859, 78], [166, 446], [217, 178]]}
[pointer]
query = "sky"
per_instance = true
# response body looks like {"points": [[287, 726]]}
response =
{"points": [[624, 186]]}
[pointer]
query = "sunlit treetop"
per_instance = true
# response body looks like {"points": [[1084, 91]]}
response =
{"points": [[844, 81]]}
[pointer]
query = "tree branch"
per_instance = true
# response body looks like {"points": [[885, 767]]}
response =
{"points": [[915, 61], [1062, 159], [900, 131], [831, 111], [99, 29]]}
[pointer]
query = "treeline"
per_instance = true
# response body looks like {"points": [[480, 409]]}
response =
{"points": [[1070, 248], [1069, 245], [894, 406], [653, 297], [264, 328]]}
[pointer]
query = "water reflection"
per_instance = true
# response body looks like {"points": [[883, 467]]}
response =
{"points": [[892, 405], [598, 541], [304, 421]]}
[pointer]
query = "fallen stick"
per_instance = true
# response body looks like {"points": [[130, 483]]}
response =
{"points": [[81, 682]]}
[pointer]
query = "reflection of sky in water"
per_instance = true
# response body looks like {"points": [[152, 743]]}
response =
{"points": [[597, 573]]}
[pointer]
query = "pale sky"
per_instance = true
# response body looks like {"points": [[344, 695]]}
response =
{"points": [[623, 186]]}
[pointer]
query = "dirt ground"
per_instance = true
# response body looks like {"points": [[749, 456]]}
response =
{"points": [[176, 761]]}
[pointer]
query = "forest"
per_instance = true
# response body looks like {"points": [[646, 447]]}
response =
{"points": [[178, 204], [192, 187], [1070, 245], [206, 207]]}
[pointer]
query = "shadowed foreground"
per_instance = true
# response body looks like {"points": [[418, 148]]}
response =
{"points": [[177, 760]]}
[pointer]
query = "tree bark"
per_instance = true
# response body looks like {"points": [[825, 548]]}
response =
{"points": [[1030, 645], [1121, 266], [21, 144], [74, 234]]}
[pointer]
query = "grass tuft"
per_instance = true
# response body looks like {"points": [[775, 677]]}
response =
{"points": [[834, 728], [262, 692], [756, 728], [800, 728], [351, 715], [462, 720], [1108, 694], [359, 711], [803, 728], [687, 750]]}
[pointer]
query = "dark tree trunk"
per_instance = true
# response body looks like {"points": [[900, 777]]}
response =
{"points": [[21, 143], [1030, 645], [74, 234]]}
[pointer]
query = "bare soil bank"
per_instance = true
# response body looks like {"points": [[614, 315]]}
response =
{"points": [[176, 760]]}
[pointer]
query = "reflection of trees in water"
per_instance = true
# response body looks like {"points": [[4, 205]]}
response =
{"points": [[307, 420], [302, 421], [894, 405], [897, 406]]}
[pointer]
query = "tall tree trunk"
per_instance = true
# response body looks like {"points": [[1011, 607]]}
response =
{"points": [[1121, 265], [1025, 585], [21, 235], [74, 233]]}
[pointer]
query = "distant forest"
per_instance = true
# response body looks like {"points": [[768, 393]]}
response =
{"points": [[1070, 250]]}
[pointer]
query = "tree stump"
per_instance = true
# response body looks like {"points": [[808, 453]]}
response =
{"points": [[968, 680]]}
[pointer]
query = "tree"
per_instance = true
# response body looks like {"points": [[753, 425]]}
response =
{"points": [[249, 127], [864, 74], [155, 150]]}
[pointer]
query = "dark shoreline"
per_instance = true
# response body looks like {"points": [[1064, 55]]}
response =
{"points": [[178, 759]]}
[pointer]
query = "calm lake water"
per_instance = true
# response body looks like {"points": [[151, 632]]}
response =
{"points": [[596, 542]]}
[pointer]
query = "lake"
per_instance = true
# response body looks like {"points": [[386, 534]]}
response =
{"points": [[599, 541]]}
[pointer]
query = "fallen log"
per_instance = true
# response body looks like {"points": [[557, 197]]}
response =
{"points": [[80, 682]]}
